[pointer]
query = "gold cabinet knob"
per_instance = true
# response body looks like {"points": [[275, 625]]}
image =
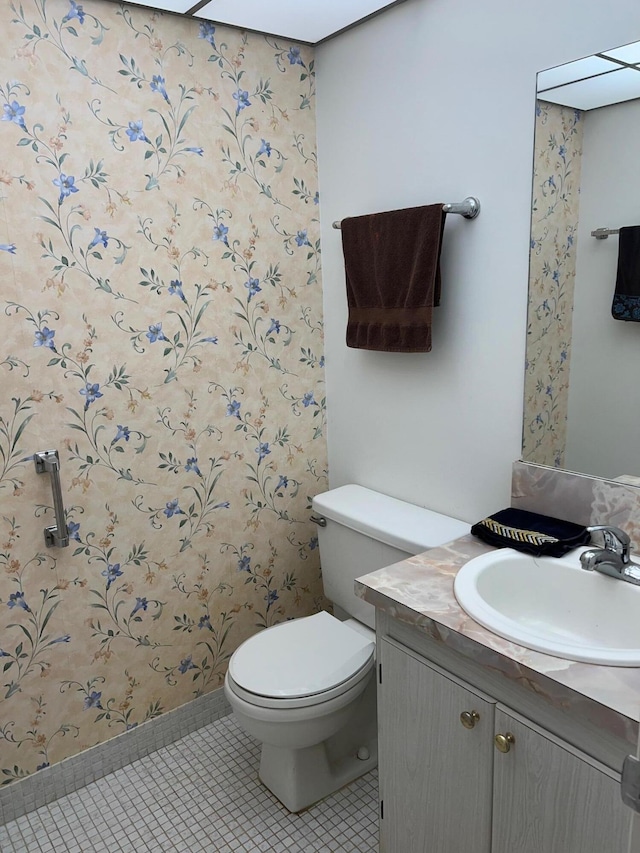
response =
{"points": [[503, 742], [469, 719]]}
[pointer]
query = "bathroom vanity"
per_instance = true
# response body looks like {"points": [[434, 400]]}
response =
{"points": [[486, 746]]}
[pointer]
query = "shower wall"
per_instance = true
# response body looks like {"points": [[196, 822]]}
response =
{"points": [[161, 328]]}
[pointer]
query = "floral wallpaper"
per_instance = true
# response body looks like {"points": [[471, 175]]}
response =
{"points": [[161, 328], [552, 270]]}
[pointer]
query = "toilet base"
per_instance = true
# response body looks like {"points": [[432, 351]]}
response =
{"points": [[301, 777]]}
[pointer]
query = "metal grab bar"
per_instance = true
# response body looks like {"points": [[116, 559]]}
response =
{"points": [[57, 535]]}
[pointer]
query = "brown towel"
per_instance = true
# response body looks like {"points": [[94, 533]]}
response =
{"points": [[392, 262]]}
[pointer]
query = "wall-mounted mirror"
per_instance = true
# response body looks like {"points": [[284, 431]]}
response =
{"points": [[582, 394]]}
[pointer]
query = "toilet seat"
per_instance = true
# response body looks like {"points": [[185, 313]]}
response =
{"points": [[341, 691], [301, 662]]}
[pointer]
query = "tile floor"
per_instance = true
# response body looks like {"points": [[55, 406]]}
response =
{"points": [[200, 794]]}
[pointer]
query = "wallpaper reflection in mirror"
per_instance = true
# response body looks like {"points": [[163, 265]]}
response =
{"points": [[581, 405], [604, 398], [552, 271]]}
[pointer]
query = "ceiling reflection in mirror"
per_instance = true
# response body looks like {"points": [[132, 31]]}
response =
{"points": [[582, 400]]}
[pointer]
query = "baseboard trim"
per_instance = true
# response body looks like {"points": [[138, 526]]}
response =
{"points": [[51, 783]]}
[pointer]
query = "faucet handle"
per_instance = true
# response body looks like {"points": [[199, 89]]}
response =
{"points": [[615, 539], [589, 559]]}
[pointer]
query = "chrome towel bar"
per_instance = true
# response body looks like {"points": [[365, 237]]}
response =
{"points": [[469, 208]]}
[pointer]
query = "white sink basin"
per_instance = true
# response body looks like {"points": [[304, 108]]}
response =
{"points": [[553, 605]]}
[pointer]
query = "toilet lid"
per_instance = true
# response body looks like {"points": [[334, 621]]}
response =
{"points": [[300, 657]]}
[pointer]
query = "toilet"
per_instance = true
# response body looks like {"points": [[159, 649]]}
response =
{"points": [[306, 688]]}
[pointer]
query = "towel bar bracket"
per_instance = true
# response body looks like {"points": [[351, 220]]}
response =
{"points": [[603, 233], [469, 208]]}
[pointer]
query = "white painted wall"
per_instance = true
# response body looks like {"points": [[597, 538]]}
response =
{"points": [[604, 397], [434, 100]]}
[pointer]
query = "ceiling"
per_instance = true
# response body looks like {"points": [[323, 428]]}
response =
{"points": [[596, 81], [310, 22]]}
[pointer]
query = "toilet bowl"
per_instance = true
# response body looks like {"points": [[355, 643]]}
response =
{"points": [[306, 688]]}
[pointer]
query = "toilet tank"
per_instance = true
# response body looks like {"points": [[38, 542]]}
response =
{"points": [[366, 531]]}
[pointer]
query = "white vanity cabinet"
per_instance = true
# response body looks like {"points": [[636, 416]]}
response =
{"points": [[446, 788], [435, 774], [549, 797]]}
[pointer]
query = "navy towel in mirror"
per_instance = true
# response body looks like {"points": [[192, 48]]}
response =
{"points": [[531, 532], [626, 299]]}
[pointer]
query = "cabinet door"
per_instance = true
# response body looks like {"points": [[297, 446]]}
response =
{"points": [[435, 774], [548, 799], [634, 835]]}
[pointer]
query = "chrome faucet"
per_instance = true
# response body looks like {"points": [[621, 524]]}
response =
{"points": [[614, 559]]}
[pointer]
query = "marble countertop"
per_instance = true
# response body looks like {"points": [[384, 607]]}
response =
{"points": [[419, 591]]}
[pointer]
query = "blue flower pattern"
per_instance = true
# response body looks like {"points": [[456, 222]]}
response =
{"points": [[242, 98], [135, 132], [170, 325], [265, 148], [253, 286], [123, 432], [172, 508], [67, 185], [100, 236], [112, 573], [158, 85], [93, 700], [294, 56], [15, 113], [176, 288], [75, 12], [44, 338], [220, 232], [155, 333], [91, 392], [207, 32]]}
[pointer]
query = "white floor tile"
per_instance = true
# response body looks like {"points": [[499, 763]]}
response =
{"points": [[200, 793]]}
